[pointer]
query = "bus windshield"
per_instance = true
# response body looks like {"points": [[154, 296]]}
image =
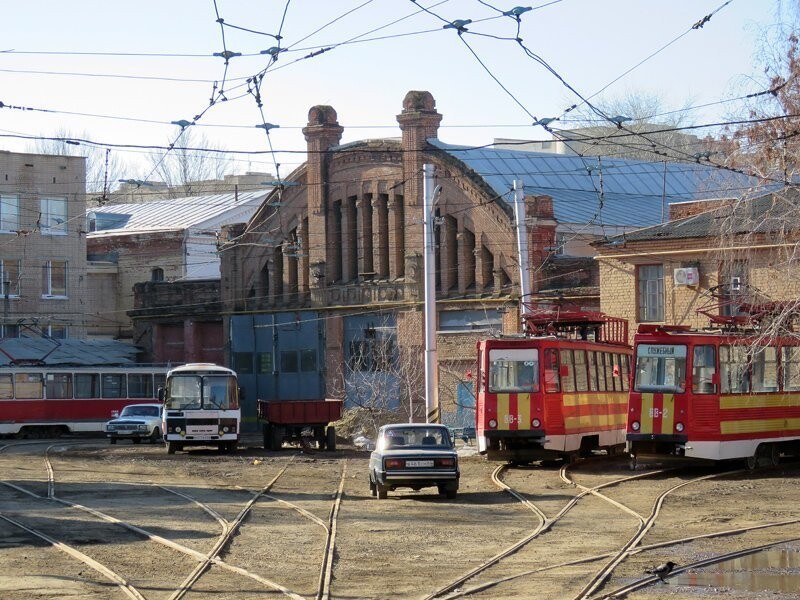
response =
{"points": [[513, 370], [660, 368], [195, 392]]}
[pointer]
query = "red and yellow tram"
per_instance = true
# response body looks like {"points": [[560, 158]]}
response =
{"points": [[558, 391], [714, 394], [46, 401]]}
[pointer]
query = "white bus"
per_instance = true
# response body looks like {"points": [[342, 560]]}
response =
{"points": [[201, 407]]}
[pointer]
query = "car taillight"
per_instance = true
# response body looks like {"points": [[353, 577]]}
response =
{"points": [[445, 462], [393, 463]]}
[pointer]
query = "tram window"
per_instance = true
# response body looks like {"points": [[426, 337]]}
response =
{"points": [[140, 385], [6, 386], [551, 383], [704, 367], [581, 377], [616, 371], [734, 370], [625, 372], [59, 385], [765, 369], [567, 371], [114, 385], [29, 385], [601, 374], [790, 358], [592, 363], [608, 365], [87, 385], [513, 370], [660, 368]]}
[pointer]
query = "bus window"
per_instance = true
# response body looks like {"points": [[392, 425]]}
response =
{"points": [[113, 385], [581, 377], [660, 368], [733, 370], [765, 369], [791, 368], [29, 386], [513, 370], [140, 385], [59, 385], [184, 392], [6, 386], [219, 391], [87, 385], [567, 371]]}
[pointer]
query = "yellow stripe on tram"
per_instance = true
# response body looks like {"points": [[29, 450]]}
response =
{"points": [[759, 426], [668, 414], [647, 414], [502, 411], [524, 411]]}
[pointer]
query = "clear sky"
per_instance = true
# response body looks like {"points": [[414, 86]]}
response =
{"points": [[121, 72]]}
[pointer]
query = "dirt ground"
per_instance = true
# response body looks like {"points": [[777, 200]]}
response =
{"points": [[411, 545]]}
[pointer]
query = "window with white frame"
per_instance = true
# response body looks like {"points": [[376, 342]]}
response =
{"points": [[9, 330], [9, 277], [651, 293], [56, 331], [53, 218], [54, 279], [9, 213]]}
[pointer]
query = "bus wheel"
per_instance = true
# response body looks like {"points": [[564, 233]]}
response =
{"points": [[330, 438], [171, 447]]}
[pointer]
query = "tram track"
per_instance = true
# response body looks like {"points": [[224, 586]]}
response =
{"points": [[204, 560]]}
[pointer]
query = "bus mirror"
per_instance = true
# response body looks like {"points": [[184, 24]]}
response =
{"points": [[160, 394], [241, 393]]}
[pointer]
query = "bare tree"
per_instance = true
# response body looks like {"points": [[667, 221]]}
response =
{"points": [[103, 166], [192, 166], [644, 114]]}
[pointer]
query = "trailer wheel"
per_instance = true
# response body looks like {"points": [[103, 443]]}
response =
{"points": [[266, 431], [319, 437], [330, 438], [276, 438]]}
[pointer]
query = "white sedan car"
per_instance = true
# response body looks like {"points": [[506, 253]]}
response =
{"points": [[136, 422]]}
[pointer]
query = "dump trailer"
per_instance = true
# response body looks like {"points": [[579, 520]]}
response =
{"points": [[288, 420]]}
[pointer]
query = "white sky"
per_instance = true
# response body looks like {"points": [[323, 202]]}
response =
{"points": [[589, 43]]}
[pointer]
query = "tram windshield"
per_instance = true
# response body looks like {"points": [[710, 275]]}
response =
{"points": [[195, 392], [513, 370], [660, 368]]}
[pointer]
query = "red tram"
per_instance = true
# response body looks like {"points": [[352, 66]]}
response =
{"points": [[558, 391], [715, 395], [40, 401]]}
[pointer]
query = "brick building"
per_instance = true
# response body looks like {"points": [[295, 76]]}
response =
{"points": [[42, 245], [707, 262], [159, 241], [327, 274]]}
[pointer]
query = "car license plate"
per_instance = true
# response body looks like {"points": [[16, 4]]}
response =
{"points": [[419, 463]]}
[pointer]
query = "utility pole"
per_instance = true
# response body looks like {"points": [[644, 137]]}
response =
{"points": [[522, 243], [429, 239]]}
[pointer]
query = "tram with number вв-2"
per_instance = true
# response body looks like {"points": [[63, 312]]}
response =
{"points": [[47, 401], [727, 393], [558, 391]]}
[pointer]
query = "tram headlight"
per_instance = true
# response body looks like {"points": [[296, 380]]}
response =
{"points": [[536, 423], [678, 427], [492, 424], [635, 425]]}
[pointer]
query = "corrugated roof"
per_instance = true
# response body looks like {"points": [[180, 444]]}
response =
{"points": [[171, 215], [68, 352], [601, 190], [773, 212]]}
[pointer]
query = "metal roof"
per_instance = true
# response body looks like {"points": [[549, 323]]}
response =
{"points": [[68, 352], [770, 213], [172, 214], [601, 190]]}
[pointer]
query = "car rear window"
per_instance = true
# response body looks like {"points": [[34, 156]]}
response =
{"points": [[417, 436]]}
